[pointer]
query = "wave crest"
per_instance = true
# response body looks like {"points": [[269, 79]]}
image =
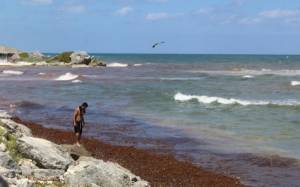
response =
{"points": [[220, 100], [295, 83], [66, 77], [12, 72], [116, 64]]}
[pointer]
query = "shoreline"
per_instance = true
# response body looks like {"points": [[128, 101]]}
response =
{"points": [[165, 171]]}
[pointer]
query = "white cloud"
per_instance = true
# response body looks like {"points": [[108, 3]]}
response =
{"points": [[204, 11], [161, 15], [157, 16], [124, 11], [280, 13], [75, 9], [39, 2]]}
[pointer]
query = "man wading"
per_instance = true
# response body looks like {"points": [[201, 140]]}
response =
{"points": [[78, 121]]}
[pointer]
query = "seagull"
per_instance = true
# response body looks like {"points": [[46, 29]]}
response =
{"points": [[158, 43]]}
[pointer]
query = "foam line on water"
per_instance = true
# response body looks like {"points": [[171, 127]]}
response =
{"points": [[66, 77], [116, 64], [12, 72], [231, 101]]}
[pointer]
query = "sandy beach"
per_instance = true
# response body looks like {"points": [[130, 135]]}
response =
{"points": [[158, 169]]}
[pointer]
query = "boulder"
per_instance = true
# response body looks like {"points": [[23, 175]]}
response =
{"points": [[96, 62], [75, 151], [45, 153], [47, 174], [7, 162], [25, 183], [80, 57], [88, 171], [19, 129], [27, 167], [7, 173], [4, 115]]}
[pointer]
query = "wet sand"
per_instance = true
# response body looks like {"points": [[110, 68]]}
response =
{"points": [[159, 169]]}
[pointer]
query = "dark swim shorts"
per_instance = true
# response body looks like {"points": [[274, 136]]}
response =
{"points": [[78, 127]]}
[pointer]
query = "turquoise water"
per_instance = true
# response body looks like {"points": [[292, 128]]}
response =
{"points": [[200, 105]]}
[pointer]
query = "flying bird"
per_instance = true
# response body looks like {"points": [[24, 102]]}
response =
{"points": [[157, 44]]}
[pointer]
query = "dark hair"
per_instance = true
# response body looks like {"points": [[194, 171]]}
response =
{"points": [[85, 105]]}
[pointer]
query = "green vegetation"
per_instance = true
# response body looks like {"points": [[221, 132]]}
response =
{"points": [[63, 57], [11, 145], [28, 57], [2, 131], [10, 142], [24, 55]]}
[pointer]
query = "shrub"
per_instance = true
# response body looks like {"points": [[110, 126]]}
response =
{"points": [[12, 147], [63, 57], [24, 55]]}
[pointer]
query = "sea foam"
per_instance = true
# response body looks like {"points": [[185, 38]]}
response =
{"points": [[116, 64], [76, 81], [12, 72], [66, 77], [295, 83], [220, 100], [248, 76]]}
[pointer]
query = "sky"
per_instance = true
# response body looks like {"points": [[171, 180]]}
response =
{"points": [[133, 26]]}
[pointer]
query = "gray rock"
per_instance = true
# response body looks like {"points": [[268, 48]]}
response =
{"points": [[45, 153], [27, 167], [75, 151], [2, 147], [48, 174], [24, 183], [89, 171], [4, 115], [7, 162], [80, 57], [8, 173], [19, 129]]}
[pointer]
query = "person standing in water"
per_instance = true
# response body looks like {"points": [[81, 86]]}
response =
{"points": [[78, 121]]}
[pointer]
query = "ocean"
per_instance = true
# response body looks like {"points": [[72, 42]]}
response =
{"points": [[234, 114]]}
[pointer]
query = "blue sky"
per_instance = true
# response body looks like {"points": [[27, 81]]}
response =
{"points": [[132, 26]]}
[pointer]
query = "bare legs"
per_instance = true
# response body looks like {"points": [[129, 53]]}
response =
{"points": [[78, 137]]}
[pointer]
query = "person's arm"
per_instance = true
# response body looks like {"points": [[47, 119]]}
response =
{"points": [[83, 122], [75, 114]]}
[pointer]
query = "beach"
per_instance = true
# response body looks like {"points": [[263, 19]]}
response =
{"points": [[158, 169], [234, 115]]}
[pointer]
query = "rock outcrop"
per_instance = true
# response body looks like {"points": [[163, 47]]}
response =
{"points": [[26, 161], [18, 129], [88, 170], [80, 57], [45, 153]]}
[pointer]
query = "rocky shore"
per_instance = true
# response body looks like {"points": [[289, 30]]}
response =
{"points": [[27, 161], [29, 158], [14, 57]]}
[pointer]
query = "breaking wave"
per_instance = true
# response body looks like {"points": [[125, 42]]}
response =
{"points": [[295, 83], [116, 64], [12, 72], [248, 76], [76, 81], [251, 72], [220, 100], [66, 77]]}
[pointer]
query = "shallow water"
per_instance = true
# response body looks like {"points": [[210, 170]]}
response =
{"points": [[231, 113]]}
